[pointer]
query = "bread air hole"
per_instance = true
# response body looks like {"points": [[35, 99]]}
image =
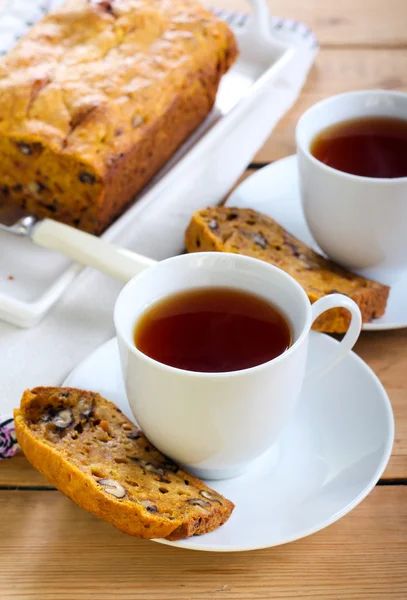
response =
{"points": [[97, 472], [78, 427], [132, 482], [163, 490]]}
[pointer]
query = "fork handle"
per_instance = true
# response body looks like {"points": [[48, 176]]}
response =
{"points": [[261, 18], [259, 27], [89, 250]]}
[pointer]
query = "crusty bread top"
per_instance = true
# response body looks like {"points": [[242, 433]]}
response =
{"points": [[91, 77], [94, 454]]}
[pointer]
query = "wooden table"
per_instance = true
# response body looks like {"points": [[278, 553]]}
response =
{"points": [[53, 550]]}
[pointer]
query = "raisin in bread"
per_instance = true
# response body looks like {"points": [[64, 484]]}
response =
{"points": [[91, 452], [245, 231]]}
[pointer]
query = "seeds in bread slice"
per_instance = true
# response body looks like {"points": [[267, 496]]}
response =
{"points": [[245, 231], [87, 448]]}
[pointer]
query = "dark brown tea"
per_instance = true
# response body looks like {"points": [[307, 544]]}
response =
{"points": [[212, 330], [369, 147]]}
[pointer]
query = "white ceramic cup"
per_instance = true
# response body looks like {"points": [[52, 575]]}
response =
{"points": [[359, 222], [216, 424]]}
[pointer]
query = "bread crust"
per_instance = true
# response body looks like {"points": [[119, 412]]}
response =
{"points": [[57, 455], [245, 231]]}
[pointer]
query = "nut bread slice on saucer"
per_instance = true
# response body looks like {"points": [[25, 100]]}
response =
{"points": [[87, 448], [245, 231]]}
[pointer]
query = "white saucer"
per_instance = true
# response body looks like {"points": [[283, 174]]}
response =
{"points": [[274, 191], [326, 461]]}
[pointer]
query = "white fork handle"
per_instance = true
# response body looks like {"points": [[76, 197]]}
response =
{"points": [[259, 27], [261, 19], [90, 250]]}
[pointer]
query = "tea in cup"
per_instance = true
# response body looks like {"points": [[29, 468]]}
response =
{"points": [[215, 414], [352, 163]]}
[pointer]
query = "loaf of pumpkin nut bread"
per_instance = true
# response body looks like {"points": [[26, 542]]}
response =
{"points": [[245, 231], [91, 452], [98, 96]]}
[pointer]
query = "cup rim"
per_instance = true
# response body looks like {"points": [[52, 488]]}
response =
{"points": [[337, 98], [204, 374]]}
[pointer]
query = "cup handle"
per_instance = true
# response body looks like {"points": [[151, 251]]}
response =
{"points": [[348, 341]]}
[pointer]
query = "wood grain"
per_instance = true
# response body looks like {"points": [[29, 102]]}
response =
{"points": [[341, 22], [17, 472], [334, 72], [385, 353], [56, 551]]}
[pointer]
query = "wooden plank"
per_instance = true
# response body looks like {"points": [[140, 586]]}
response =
{"points": [[375, 23], [53, 550], [385, 353], [17, 472], [336, 71]]}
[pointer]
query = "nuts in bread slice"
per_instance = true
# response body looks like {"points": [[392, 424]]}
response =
{"points": [[91, 452], [245, 231]]}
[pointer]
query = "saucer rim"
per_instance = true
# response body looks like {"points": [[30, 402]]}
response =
{"points": [[291, 160], [187, 544], [387, 450]]}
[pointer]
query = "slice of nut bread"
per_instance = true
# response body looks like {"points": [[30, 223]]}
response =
{"points": [[91, 452], [245, 231]]}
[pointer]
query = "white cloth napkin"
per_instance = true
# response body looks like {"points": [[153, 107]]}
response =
{"points": [[83, 318]]}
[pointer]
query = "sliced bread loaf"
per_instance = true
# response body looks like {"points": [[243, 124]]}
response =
{"points": [[91, 452], [245, 231]]}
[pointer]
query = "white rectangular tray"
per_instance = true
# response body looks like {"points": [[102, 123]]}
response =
{"points": [[252, 97]]}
